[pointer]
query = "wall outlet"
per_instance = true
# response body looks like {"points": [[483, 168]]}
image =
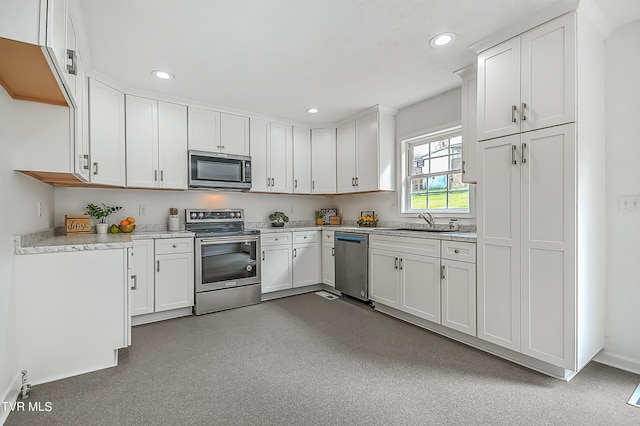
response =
{"points": [[630, 204], [142, 210]]}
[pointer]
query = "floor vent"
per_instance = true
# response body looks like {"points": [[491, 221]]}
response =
{"points": [[635, 398], [327, 295]]}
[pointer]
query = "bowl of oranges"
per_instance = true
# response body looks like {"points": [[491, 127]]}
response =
{"points": [[127, 225]]}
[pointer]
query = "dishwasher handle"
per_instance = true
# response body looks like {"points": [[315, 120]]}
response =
{"points": [[349, 239]]}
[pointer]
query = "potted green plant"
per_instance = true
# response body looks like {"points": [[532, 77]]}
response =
{"points": [[278, 219], [319, 217], [100, 214]]}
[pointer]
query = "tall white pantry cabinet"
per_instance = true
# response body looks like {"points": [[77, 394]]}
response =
{"points": [[541, 195]]}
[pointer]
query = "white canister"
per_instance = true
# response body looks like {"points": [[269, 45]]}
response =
{"points": [[174, 222]]}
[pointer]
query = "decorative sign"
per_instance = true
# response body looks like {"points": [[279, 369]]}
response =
{"points": [[77, 223], [327, 213]]}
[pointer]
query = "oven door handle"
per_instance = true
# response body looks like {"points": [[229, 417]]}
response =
{"points": [[221, 240]]}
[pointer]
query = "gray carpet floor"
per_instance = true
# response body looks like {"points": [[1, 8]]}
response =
{"points": [[307, 360]]}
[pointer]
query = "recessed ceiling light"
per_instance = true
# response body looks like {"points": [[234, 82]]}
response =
{"points": [[442, 40], [163, 75], [312, 110]]}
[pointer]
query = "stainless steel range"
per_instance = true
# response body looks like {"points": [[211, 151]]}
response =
{"points": [[227, 267]]}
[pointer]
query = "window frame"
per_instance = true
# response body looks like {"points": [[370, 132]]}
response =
{"points": [[406, 164]]}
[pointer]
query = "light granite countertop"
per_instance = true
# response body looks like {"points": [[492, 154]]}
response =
{"points": [[47, 242], [448, 236]]}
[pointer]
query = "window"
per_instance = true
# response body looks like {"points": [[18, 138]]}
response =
{"points": [[433, 173]]}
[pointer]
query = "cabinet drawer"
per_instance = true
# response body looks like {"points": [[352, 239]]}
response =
{"points": [[419, 246], [456, 250], [275, 239], [305, 237], [174, 245], [327, 236]]}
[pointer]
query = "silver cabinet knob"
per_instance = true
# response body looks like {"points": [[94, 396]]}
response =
{"points": [[175, 246]]}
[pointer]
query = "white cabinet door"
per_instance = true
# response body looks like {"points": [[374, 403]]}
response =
{"points": [[259, 130], [384, 278], [548, 87], [498, 196], [142, 142], [234, 134], [174, 281], [548, 274], [323, 161], [142, 278], [420, 286], [499, 90], [458, 295], [469, 119], [301, 160], [328, 264], [172, 146], [56, 31], [276, 268], [367, 171], [306, 264], [204, 129], [70, 68], [106, 134], [81, 141], [281, 158], [346, 157]]}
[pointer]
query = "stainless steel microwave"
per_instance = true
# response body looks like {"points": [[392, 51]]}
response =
{"points": [[213, 170]]}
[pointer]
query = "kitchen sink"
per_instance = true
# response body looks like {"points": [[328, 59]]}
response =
{"points": [[436, 228]]}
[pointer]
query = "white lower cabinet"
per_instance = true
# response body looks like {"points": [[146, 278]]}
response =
{"points": [[404, 273], [459, 286], [290, 260], [276, 261], [162, 277], [328, 259]]}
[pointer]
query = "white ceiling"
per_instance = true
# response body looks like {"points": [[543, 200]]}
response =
{"points": [[279, 57]]}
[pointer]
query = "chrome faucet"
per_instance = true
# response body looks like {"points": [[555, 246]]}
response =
{"points": [[428, 218]]}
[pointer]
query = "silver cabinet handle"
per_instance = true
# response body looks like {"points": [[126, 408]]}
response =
{"points": [[333, 251], [443, 274], [222, 147], [72, 67], [155, 175], [524, 159], [463, 163], [357, 183], [295, 252], [161, 175], [353, 181], [396, 266], [456, 251], [513, 154], [401, 264], [95, 168], [295, 183], [262, 254], [134, 278], [524, 107], [273, 182], [313, 185], [268, 182], [174, 246], [305, 237], [157, 266], [217, 146], [513, 113], [86, 161]]}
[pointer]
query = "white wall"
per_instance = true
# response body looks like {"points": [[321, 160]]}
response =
{"points": [[19, 195], [622, 341], [431, 114], [257, 206]]}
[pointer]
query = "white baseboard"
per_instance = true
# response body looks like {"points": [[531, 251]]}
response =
{"points": [[10, 395], [618, 361]]}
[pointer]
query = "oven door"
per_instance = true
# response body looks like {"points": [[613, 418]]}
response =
{"points": [[223, 262]]}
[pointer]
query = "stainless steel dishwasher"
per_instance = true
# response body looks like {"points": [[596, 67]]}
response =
{"points": [[352, 264]]}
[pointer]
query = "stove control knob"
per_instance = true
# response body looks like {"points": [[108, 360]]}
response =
{"points": [[232, 214], [194, 215], [239, 215], [200, 215]]}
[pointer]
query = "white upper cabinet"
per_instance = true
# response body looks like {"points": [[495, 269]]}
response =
{"points": [[156, 144], [213, 131], [365, 152], [204, 130], [272, 156], [469, 117], [301, 160], [106, 134], [234, 134], [323, 161], [528, 82]]}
